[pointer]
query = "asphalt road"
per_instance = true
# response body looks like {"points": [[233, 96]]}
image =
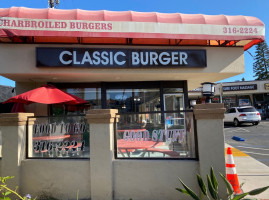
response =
{"points": [[256, 138]]}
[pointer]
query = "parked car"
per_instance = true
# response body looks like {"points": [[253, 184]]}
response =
{"points": [[239, 115]]}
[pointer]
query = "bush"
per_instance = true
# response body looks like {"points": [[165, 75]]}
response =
{"points": [[7, 192], [212, 185]]}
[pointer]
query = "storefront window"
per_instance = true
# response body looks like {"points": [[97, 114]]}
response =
{"points": [[236, 101], [155, 111], [258, 97], [58, 137], [140, 139], [244, 100], [172, 90], [229, 101], [141, 96], [173, 102], [92, 95], [215, 99], [133, 100]]}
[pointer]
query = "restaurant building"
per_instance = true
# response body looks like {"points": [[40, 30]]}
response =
{"points": [[108, 56], [135, 70]]}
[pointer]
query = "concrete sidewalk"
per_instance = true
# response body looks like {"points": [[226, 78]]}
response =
{"points": [[251, 172]]}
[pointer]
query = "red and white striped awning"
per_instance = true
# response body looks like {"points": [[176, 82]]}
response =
{"points": [[55, 23]]}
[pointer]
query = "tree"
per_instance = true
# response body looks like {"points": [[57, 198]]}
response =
{"points": [[53, 3], [261, 64]]}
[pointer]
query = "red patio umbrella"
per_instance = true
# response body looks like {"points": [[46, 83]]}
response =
{"points": [[47, 94]]}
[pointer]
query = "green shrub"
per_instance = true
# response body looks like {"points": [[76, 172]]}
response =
{"points": [[45, 196], [7, 192], [212, 189]]}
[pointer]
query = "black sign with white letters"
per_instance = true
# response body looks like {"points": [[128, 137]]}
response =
{"points": [[119, 58], [239, 87]]}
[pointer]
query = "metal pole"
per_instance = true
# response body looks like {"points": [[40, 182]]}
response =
{"points": [[221, 92]]}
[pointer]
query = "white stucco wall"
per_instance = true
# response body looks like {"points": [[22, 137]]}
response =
{"points": [[104, 177], [56, 178], [222, 62], [153, 179]]}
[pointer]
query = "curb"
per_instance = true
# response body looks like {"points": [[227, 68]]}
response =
{"points": [[236, 152]]}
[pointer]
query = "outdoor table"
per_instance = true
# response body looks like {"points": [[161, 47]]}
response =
{"points": [[164, 152], [54, 137], [129, 146], [147, 147]]}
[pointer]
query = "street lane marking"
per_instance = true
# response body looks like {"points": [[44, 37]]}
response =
{"points": [[256, 153], [237, 130], [241, 130], [263, 159], [236, 152], [253, 148]]}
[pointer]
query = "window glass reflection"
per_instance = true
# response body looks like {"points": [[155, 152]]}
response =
{"points": [[173, 102], [134, 100], [153, 138], [92, 95], [172, 90]]}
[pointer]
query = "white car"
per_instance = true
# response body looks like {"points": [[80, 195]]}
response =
{"points": [[239, 115]]}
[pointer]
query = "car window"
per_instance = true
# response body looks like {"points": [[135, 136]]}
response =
{"points": [[247, 110], [232, 110]]}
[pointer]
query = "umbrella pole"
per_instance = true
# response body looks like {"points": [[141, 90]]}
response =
{"points": [[65, 109]]}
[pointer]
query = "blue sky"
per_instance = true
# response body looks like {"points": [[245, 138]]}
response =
{"points": [[256, 8]]}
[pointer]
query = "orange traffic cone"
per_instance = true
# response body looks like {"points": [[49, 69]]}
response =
{"points": [[231, 172]]}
